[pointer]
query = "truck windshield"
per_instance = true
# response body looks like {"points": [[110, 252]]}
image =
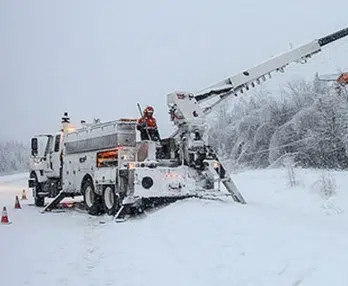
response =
{"points": [[49, 143]]}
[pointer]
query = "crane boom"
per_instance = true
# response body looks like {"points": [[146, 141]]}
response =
{"points": [[249, 78]]}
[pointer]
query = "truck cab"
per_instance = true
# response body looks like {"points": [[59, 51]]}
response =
{"points": [[46, 163], [45, 166]]}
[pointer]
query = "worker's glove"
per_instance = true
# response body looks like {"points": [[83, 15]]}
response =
{"points": [[141, 126]]}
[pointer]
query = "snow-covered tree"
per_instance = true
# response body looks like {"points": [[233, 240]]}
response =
{"points": [[14, 156], [306, 122]]}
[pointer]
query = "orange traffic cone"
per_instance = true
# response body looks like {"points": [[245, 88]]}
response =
{"points": [[17, 204], [24, 195], [4, 217]]}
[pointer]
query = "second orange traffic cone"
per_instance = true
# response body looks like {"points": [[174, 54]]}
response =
{"points": [[24, 195], [17, 204]]}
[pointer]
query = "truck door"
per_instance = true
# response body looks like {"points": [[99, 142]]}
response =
{"points": [[55, 157], [38, 156]]}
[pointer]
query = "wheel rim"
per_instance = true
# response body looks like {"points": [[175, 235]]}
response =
{"points": [[89, 196], [109, 198]]}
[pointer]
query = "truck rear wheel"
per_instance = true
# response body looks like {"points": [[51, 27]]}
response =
{"points": [[111, 201], [92, 200]]}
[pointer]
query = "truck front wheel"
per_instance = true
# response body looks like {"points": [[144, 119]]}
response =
{"points": [[92, 200], [111, 201], [39, 200]]}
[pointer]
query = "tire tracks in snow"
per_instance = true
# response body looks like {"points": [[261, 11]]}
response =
{"points": [[93, 254]]}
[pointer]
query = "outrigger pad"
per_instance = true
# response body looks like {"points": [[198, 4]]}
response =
{"points": [[123, 213]]}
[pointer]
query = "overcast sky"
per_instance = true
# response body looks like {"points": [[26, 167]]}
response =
{"points": [[99, 58]]}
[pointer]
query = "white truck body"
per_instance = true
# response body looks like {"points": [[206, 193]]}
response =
{"points": [[81, 148], [107, 156]]}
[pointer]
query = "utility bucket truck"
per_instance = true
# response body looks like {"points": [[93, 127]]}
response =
{"points": [[115, 174]]}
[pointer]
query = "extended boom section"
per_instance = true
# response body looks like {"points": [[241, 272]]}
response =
{"points": [[249, 78], [333, 37]]}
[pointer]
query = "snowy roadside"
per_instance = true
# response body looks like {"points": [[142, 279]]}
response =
{"points": [[13, 177], [283, 236]]}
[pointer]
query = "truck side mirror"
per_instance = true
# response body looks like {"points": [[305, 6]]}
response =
{"points": [[34, 147]]}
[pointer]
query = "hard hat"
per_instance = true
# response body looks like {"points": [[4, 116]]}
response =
{"points": [[149, 110]]}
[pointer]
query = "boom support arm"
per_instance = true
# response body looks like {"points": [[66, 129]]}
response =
{"points": [[249, 78]]}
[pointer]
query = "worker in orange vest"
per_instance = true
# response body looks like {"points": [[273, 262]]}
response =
{"points": [[147, 125]]}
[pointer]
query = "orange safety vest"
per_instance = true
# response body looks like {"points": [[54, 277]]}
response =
{"points": [[150, 122]]}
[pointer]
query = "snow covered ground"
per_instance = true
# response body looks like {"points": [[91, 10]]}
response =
{"points": [[283, 236]]}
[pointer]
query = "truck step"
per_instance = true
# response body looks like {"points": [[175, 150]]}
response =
{"points": [[43, 194]]}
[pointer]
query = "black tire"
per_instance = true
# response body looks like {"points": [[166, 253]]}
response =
{"points": [[111, 201], [92, 200], [38, 200]]}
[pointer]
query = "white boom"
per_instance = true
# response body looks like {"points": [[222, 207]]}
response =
{"points": [[249, 78]]}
